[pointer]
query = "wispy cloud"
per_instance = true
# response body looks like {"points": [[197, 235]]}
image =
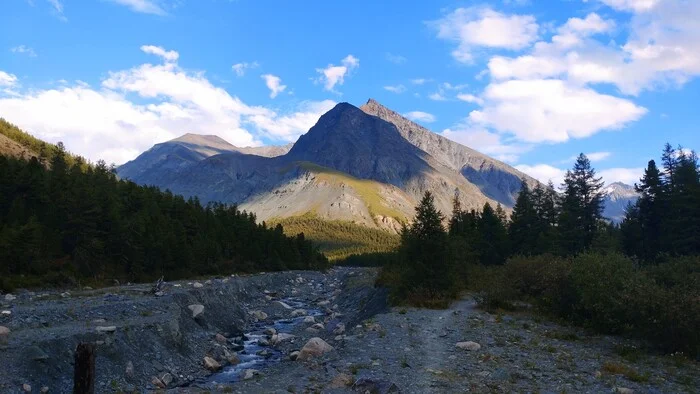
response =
{"points": [[24, 50], [420, 116], [335, 75], [142, 6], [274, 83], [241, 68], [396, 59], [398, 89], [58, 9]]}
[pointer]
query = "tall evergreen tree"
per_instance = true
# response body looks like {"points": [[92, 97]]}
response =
{"points": [[581, 207], [524, 229], [493, 237]]}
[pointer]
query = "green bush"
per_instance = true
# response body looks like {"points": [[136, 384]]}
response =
{"points": [[607, 293]]}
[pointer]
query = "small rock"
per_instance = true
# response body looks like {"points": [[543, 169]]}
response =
{"points": [[157, 382], [10, 297], [65, 294], [197, 309], [339, 329], [340, 337], [129, 370], [99, 321], [314, 347], [471, 346], [197, 285], [299, 312], [270, 331], [281, 337], [248, 374], [27, 388], [211, 364], [259, 315], [220, 338], [598, 374], [35, 353], [324, 303], [44, 389], [294, 355], [159, 293], [623, 390], [207, 282], [340, 381], [309, 320], [166, 378], [6, 313], [106, 329], [4, 333], [233, 359]]}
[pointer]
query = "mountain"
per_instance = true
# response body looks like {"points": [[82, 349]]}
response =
{"points": [[364, 165], [617, 197]]}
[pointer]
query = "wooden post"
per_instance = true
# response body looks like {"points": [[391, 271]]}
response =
{"points": [[84, 376]]}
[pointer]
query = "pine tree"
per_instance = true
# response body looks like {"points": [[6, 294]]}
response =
{"points": [[523, 231], [493, 237], [649, 212], [581, 207]]}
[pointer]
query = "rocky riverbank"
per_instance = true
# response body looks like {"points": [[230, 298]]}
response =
{"points": [[312, 332]]}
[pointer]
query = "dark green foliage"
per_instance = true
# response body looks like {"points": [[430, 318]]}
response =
{"points": [[666, 218], [581, 207], [492, 243], [606, 293], [524, 229], [65, 223]]}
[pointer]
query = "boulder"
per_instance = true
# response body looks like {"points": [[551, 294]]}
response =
{"points": [[318, 326], [281, 337], [324, 303], [294, 355], [44, 389], [340, 381], [166, 378], [106, 329], [315, 347], [197, 285], [27, 388], [270, 331], [469, 345], [339, 329], [6, 313], [10, 297], [157, 382], [248, 374], [221, 339], [299, 312], [259, 315], [309, 320], [211, 364], [197, 309]]}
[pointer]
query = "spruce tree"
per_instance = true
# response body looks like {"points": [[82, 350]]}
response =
{"points": [[581, 207], [523, 230], [649, 212], [493, 237]]}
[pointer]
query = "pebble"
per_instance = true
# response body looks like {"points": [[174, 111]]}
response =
{"points": [[197, 285], [471, 346], [27, 388], [106, 329], [220, 338], [197, 309]]}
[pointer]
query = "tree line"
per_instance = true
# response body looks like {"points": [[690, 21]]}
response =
{"points": [[64, 222]]}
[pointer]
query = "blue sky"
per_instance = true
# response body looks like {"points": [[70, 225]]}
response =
{"points": [[530, 82]]}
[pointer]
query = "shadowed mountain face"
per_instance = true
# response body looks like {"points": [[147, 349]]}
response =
{"points": [[368, 166], [617, 197]]}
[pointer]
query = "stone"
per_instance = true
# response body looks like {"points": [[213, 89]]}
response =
{"points": [[207, 282], [270, 331], [233, 359], [469, 345], [315, 347], [341, 380], [281, 337], [299, 312], [248, 374], [157, 382], [318, 326], [623, 390], [221, 339], [166, 378], [211, 364], [197, 285], [44, 389], [10, 297], [371, 385], [106, 329], [294, 355], [35, 353], [27, 388], [309, 320], [159, 294], [339, 329], [324, 303], [129, 371], [6, 313], [197, 309], [259, 315], [99, 321], [4, 333]]}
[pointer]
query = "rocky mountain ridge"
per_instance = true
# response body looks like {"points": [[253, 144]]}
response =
{"points": [[366, 165], [618, 196]]}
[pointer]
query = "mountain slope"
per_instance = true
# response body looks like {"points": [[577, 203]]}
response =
{"points": [[617, 197], [351, 166]]}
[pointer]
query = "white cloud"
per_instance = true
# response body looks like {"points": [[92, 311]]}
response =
{"points": [[437, 96], [135, 108], [7, 79], [396, 59], [24, 49], [142, 6], [398, 89], [274, 83], [420, 116], [443, 88], [475, 27], [548, 110], [241, 68], [169, 56], [419, 81], [543, 173], [485, 142], [593, 157], [624, 175], [470, 98], [631, 5], [58, 9], [335, 75]]}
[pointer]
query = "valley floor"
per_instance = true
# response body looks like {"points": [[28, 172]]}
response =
{"points": [[406, 349]]}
